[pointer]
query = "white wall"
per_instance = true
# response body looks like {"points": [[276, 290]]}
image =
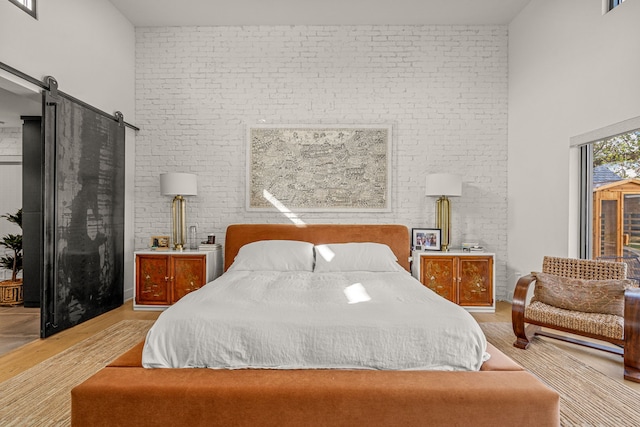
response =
{"points": [[89, 47], [10, 200], [10, 141], [443, 88], [571, 70], [10, 179]]}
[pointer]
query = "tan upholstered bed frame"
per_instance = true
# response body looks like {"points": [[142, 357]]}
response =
{"points": [[124, 393], [395, 236]]}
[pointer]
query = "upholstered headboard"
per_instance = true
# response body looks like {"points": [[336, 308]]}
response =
{"points": [[395, 236]]}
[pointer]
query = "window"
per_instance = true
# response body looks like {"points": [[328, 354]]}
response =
{"points": [[614, 3], [610, 202], [28, 6]]}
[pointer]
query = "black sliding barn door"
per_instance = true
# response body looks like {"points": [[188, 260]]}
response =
{"points": [[83, 214]]}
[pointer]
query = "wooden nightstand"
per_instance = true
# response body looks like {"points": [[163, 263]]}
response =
{"points": [[162, 278], [465, 278]]}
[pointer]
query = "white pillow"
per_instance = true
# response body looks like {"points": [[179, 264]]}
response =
{"points": [[355, 257], [274, 255]]}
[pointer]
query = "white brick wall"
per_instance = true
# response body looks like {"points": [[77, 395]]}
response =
{"points": [[443, 88], [10, 141]]}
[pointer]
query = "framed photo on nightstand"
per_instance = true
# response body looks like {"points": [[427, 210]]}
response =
{"points": [[426, 239], [159, 243]]}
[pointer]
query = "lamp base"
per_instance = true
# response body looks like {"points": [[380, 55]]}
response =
{"points": [[178, 222], [443, 215]]}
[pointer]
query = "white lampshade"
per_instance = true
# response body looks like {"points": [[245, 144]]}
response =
{"points": [[443, 184], [174, 184]]}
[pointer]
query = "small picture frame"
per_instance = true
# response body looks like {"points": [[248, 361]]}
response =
{"points": [[159, 243], [426, 239]]}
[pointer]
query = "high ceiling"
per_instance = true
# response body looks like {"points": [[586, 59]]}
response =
{"points": [[144, 13]]}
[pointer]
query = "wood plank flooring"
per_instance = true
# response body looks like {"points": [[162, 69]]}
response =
{"points": [[36, 351], [18, 326]]}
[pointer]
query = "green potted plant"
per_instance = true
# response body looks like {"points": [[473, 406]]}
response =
{"points": [[12, 292]]}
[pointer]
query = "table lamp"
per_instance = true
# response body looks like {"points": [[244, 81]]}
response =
{"points": [[443, 185], [178, 185]]}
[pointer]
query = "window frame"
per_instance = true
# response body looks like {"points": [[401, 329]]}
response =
{"points": [[31, 11], [584, 143], [585, 234]]}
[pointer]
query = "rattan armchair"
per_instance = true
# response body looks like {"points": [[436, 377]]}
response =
{"points": [[621, 331]]}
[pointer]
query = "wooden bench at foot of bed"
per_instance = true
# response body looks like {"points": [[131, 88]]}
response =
{"points": [[124, 394]]}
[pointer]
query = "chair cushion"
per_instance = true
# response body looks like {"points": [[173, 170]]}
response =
{"points": [[606, 325], [588, 296]]}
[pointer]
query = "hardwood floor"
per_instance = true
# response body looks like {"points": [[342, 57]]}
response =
{"points": [[36, 351], [18, 326]]}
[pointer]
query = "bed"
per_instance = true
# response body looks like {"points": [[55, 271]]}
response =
{"points": [[486, 388]]}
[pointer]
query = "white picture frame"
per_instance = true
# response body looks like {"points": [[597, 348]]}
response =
{"points": [[426, 239]]}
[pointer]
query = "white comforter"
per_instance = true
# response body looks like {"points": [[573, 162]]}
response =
{"points": [[304, 320]]}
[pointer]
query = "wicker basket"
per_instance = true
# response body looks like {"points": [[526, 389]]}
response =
{"points": [[11, 292]]}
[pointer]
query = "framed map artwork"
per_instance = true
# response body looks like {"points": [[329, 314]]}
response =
{"points": [[310, 168]]}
